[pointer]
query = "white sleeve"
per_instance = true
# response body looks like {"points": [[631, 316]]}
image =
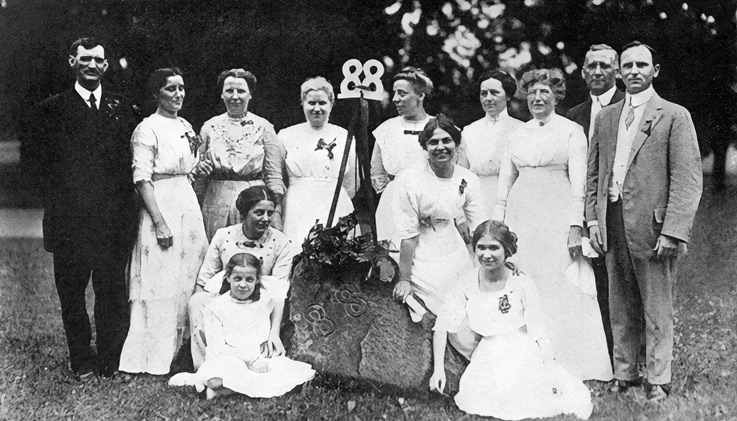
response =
{"points": [[577, 160]]}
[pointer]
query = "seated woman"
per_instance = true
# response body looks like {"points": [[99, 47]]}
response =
{"points": [[254, 235], [241, 149], [437, 202], [239, 327], [513, 373], [314, 154]]}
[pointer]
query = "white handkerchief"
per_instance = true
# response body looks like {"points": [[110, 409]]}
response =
{"points": [[580, 274], [416, 310], [588, 251]]}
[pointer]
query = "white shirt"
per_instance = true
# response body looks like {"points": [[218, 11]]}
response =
{"points": [[625, 137], [85, 94], [597, 103]]}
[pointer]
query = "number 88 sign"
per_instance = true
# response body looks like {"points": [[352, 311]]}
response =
{"points": [[370, 85]]}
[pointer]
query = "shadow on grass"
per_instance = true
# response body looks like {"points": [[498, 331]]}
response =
{"points": [[35, 382]]}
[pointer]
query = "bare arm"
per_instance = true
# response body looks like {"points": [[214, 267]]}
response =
{"points": [[439, 339], [273, 345], [406, 256], [379, 176]]}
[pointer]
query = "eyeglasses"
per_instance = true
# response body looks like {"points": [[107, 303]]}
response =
{"points": [[542, 92], [88, 59]]}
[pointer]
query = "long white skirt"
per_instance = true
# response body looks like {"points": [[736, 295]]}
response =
{"points": [[507, 379], [162, 280], [538, 212], [307, 201], [284, 375]]}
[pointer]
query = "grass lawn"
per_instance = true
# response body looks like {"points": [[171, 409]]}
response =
{"points": [[35, 382]]}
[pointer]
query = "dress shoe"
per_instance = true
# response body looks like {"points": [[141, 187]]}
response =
{"points": [[657, 392], [621, 386], [86, 375]]}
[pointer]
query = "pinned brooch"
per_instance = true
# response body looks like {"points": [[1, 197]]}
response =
{"points": [[249, 244], [462, 187], [504, 305], [244, 122], [426, 221], [327, 146], [194, 140]]}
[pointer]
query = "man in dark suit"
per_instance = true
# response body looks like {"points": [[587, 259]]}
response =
{"points": [[644, 186], [78, 153], [600, 69]]}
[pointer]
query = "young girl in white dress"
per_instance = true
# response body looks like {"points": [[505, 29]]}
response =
{"points": [[238, 326], [513, 373]]}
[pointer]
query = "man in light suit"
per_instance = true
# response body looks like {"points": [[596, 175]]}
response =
{"points": [[643, 189], [600, 69], [78, 153]]}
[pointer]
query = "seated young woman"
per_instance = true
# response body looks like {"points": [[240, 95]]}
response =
{"points": [[239, 326], [513, 373]]}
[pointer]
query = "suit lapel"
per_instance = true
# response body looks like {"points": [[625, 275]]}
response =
{"points": [[618, 96], [587, 116], [650, 117], [614, 130]]}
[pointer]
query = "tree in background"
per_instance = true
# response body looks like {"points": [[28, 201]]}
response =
{"points": [[455, 40], [283, 42]]}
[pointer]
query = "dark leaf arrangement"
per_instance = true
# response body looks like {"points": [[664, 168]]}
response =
{"points": [[333, 249]]}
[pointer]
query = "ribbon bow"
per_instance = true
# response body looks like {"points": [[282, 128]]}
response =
{"points": [[327, 146], [412, 132], [249, 244], [426, 221], [463, 185], [194, 140]]}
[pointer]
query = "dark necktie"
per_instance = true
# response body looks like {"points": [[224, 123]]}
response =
{"points": [[93, 102]]}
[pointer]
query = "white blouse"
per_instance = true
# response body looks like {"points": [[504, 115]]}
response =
{"points": [[484, 141], [397, 147], [161, 146], [559, 143], [273, 248], [307, 157]]}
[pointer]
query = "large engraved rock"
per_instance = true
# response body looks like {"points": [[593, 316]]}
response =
{"points": [[348, 326]]}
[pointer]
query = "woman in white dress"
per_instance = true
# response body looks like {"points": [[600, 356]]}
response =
{"points": [[314, 152], [513, 373], [255, 236], [540, 195], [242, 150], [171, 239], [239, 326], [437, 202], [396, 146], [483, 142]]}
